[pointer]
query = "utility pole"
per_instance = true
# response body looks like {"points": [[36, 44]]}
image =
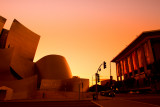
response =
{"points": [[110, 75], [110, 69], [96, 87]]}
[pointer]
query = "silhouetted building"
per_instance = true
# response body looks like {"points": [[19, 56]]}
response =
{"points": [[54, 74], [107, 82], [138, 65], [21, 78]]}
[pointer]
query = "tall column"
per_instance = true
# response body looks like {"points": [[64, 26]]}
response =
{"points": [[132, 68], [120, 71], [144, 60], [120, 78], [150, 52], [137, 62], [126, 64], [117, 78]]}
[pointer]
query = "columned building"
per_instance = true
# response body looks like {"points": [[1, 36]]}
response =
{"points": [[138, 65]]}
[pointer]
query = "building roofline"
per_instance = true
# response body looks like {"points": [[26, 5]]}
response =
{"points": [[146, 34], [2, 19]]}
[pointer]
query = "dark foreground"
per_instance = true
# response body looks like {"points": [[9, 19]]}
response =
{"points": [[132, 100], [85, 103], [120, 100]]}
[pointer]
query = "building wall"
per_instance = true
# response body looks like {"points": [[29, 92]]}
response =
{"points": [[72, 85], [48, 84], [22, 89], [156, 50], [5, 59], [25, 43], [3, 38], [8, 93], [23, 39], [2, 22], [156, 53], [137, 64], [22, 66], [79, 84]]}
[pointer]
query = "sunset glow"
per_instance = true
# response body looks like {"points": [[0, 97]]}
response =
{"points": [[85, 32]]}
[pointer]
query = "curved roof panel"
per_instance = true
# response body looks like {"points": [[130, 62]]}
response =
{"points": [[53, 67], [23, 39]]}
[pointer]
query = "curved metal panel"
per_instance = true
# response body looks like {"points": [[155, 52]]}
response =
{"points": [[53, 67], [23, 39], [25, 43]]}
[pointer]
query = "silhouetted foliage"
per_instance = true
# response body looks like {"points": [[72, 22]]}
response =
{"points": [[93, 88]]}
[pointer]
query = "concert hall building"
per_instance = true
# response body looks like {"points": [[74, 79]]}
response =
{"points": [[21, 78], [138, 65]]}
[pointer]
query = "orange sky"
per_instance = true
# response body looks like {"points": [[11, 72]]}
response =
{"points": [[86, 32]]}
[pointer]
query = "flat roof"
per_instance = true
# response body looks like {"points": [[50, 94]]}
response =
{"points": [[142, 36]]}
